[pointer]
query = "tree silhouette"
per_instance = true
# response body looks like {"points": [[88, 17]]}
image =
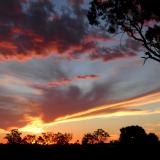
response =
{"points": [[132, 135], [88, 139], [139, 19], [60, 138], [29, 139], [40, 140], [128, 135], [14, 137], [98, 136], [48, 137], [152, 138]]}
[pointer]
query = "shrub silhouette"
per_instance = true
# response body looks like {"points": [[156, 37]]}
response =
{"points": [[152, 138]]}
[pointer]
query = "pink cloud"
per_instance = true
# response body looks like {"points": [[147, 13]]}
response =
{"points": [[61, 82], [91, 76], [68, 81], [5, 44], [99, 38]]}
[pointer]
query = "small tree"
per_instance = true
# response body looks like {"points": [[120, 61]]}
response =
{"points": [[14, 137], [60, 138], [100, 135], [48, 137], [88, 139], [29, 139]]}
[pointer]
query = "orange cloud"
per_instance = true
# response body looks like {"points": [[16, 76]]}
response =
{"points": [[9, 45], [61, 82]]}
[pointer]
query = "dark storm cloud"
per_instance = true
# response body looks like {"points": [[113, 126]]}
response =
{"points": [[36, 29]]}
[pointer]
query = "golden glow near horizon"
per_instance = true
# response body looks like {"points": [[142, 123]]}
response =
{"points": [[36, 124]]}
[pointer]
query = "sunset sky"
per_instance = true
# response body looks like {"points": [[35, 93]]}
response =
{"points": [[58, 73]]}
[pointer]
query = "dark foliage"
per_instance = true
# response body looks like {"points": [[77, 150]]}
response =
{"points": [[14, 137], [134, 143], [88, 139], [132, 135], [98, 136], [138, 18], [152, 138]]}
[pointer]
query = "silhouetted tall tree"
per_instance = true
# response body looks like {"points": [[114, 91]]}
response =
{"points": [[139, 19], [14, 137], [132, 135]]}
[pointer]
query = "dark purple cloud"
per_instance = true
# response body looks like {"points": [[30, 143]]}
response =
{"points": [[36, 29]]}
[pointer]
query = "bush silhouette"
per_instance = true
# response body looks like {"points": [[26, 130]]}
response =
{"points": [[152, 138]]}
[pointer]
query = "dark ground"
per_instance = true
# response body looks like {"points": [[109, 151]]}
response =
{"points": [[80, 152]]}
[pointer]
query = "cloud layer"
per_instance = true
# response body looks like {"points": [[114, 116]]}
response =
{"points": [[38, 28]]}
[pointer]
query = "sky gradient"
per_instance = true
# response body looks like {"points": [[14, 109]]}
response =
{"points": [[58, 73]]}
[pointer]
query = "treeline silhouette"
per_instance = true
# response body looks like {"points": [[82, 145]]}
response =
{"points": [[128, 135], [133, 143]]}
